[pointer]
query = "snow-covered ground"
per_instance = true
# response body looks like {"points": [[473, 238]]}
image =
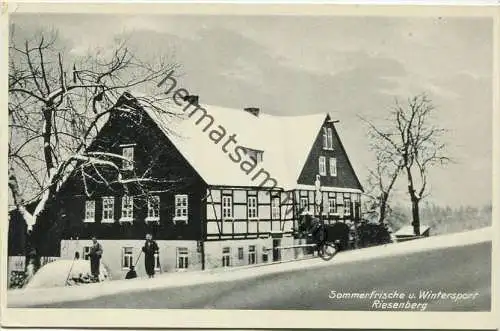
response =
{"points": [[57, 273], [24, 297]]}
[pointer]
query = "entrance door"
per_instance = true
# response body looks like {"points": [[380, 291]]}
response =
{"points": [[276, 251]]}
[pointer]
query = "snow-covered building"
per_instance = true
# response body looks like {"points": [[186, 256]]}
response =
{"points": [[215, 186]]}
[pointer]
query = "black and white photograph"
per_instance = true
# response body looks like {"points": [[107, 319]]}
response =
{"points": [[249, 159]]}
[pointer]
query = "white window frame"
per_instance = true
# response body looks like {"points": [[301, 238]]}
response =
{"points": [[89, 211], [347, 206], [227, 207], [157, 261], [252, 208], [153, 213], [325, 139], [127, 257], [302, 204], [181, 207], [322, 165], [329, 138], [182, 261], [226, 256], [111, 212], [127, 214], [128, 154], [333, 166], [332, 206], [275, 208], [252, 252]]}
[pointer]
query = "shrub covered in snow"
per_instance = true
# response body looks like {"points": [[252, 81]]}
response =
{"points": [[17, 279], [65, 273]]}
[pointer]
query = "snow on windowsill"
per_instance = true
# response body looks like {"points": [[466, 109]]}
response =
{"points": [[180, 219], [152, 219], [89, 220], [126, 220], [107, 221]]}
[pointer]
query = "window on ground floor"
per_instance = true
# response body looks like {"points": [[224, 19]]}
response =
{"points": [[265, 254], [157, 261], [251, 255], [240, 253], [182, 258], [127, 257], [226, 256], [86, 251]]}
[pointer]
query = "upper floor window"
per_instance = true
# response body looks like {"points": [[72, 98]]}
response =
{"points": [[127, 208], [322, 165], [227, 206], [89, 211], [108, 209], [252, 207], [304, 203], [333, 166], [128, 154], [153, 208], [332, 205], [327, 138], [347, 206], [181, 207], [275, 208]]}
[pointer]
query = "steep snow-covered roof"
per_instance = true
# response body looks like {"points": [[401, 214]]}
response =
{"points": [[284, 140]]}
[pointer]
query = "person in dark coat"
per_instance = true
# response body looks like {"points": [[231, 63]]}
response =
{"points": [[131, 273], [95, 255], [149, 249]]}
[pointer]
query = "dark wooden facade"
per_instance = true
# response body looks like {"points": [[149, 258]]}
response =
{"points": [[345, 178], [155, 155]]}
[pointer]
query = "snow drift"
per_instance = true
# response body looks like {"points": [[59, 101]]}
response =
{"points": [[55, 274]]}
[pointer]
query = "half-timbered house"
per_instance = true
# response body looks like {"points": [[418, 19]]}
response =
{"points": [[216, 187]]}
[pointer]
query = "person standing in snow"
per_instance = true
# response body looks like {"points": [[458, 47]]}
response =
{"points": [[149, 249], [95, 255]]}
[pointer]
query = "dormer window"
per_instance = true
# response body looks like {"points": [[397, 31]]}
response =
{"points": [[128, 157], [254, 154]]}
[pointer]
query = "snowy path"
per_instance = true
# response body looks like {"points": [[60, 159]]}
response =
{"points": [[19, 298]]}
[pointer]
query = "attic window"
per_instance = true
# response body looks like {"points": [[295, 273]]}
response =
{"points": [[128, 155], [328, 138], [254, 154]]}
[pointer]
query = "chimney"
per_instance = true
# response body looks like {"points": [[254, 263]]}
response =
{"points": [[252, 110], [192, 99]]}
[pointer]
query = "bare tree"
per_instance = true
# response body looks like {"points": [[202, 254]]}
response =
{"points": [[381, 182], [57, 104], [411, 140]]}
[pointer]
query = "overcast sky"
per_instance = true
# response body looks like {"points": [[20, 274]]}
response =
{"points": [[343, 65]]}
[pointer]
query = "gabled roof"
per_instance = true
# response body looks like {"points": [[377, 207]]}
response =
{"points": [[285, 140]]}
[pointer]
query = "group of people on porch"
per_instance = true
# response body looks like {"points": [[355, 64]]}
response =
{"points": [[150, 249]]}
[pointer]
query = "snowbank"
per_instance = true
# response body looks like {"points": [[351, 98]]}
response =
{"points": [[27, 297], [55, 274]]}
